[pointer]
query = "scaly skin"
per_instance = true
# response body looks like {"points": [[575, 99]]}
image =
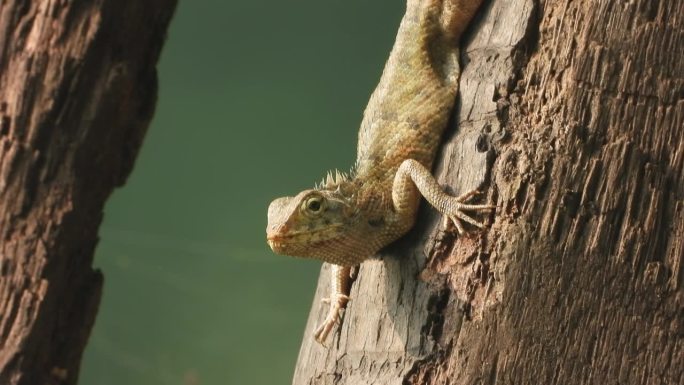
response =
{"points": [[346, 220]]}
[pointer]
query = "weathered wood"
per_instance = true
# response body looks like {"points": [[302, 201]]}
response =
{"points": [[77, 91], [580, 277]]}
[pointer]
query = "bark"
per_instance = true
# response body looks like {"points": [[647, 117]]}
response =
{"points": [[77, 91], [572, 114]]}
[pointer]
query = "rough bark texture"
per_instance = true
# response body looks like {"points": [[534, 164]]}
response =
{"points": [[77, 91], [572, 113]]}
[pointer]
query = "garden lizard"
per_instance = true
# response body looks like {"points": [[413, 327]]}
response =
{"points": [[347, 218]]}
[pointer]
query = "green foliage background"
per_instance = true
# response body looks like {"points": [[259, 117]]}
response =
{"points": [[257, 99]]}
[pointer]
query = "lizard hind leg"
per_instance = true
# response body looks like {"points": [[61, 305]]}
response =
{"points": [[339, 296], [411, 173]]}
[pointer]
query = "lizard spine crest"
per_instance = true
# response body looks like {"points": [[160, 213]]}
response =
{"points": [[334, 179]]}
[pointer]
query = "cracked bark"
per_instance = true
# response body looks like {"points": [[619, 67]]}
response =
{"points": [[572, 115], [77, 91]]}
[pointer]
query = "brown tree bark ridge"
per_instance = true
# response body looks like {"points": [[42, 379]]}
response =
{"points": [[77, 91], [572, 114]]}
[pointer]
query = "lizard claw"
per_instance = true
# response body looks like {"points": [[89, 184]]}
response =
{"points": [[333, 317], [457, 212]]}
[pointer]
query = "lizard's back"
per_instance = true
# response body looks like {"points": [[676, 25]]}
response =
{"points": [[410, 107]]}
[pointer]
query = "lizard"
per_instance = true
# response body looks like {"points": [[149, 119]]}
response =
{"points": [[347, 218]]}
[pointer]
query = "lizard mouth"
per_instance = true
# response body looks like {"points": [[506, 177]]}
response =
{"points": [[275, 246], [294, 236], [293, 243], [275, 242]]}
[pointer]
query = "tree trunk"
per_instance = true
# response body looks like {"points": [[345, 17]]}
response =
{"points": [[77, 91], [572, 114]]}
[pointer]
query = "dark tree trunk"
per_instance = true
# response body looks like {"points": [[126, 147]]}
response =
{"points": [[77, 91], [572, 114]]}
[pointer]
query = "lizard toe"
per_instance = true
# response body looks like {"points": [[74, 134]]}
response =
{"points": [[457, 223]]}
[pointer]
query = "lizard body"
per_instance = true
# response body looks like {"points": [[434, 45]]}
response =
{"points": [[347, 219]]}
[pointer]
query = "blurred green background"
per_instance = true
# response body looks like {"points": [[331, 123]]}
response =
{"points": [[257, 100]]}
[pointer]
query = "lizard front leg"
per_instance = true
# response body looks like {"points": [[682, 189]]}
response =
{"points": [[412, 175], [339, 296]]}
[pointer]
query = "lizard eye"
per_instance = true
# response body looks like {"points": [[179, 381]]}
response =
{"points": [[313, 205]]}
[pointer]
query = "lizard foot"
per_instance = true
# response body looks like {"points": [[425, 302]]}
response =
{"points": [[456, 212], [338, 303]]}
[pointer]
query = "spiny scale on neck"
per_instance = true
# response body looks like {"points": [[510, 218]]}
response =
{"points": [[333, 179]]}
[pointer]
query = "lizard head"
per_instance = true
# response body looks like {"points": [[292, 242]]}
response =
{"points": [[309, 224]]}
